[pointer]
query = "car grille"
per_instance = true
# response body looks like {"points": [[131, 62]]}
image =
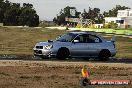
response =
{"points": [[38, 51], [39, 47]]}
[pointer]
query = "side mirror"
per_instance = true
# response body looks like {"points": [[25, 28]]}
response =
{"points": [[50, 41], [76, 41]]}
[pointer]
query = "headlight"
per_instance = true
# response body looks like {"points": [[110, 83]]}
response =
{"points": [[48, 46]]}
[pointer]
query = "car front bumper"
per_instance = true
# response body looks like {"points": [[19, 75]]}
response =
{"points": [[44, 53]]}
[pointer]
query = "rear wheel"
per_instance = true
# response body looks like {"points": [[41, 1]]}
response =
{"points": [[63, 53], [104, 55]]}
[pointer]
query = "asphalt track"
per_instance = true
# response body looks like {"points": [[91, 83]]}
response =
{"points": [[70, 61]]}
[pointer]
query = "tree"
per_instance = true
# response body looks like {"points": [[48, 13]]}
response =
{"points": [[85, 14], [28, 16], [114, 11], [1, 11], [93, 14], [12, 14], [55, 20], [60, 19]]}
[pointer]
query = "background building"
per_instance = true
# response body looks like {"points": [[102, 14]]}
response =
{"points": [[123, 19]]}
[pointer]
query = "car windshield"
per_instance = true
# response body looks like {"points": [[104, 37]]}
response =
{"points": [[66, 37]]}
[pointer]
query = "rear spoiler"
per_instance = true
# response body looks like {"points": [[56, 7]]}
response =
{"points": [[113, 39]]}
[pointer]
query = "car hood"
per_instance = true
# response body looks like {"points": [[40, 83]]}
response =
{"points": [[58, 43], [43, 43]]}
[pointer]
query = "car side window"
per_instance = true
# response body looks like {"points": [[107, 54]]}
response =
{"points": [[94, 39], [87, 38], [82, 38], [79, 38]]}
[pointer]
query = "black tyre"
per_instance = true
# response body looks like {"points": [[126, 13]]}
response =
{"points": [[63, 53], [104, 55]]}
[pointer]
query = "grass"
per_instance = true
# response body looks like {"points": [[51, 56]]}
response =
{"points": [[123, 46], [20, 41], [116, 31]]}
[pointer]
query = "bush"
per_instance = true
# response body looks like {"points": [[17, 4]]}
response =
{"points": [[78, 26], [111, 25]]}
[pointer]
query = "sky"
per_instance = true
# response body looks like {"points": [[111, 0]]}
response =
{"points": [[48, 9]]}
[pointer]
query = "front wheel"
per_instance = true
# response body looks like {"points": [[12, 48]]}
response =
{"points": [[63, 53]]}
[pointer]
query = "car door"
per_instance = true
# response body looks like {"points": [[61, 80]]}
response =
{"points": [[80, 48], [94, 45]]}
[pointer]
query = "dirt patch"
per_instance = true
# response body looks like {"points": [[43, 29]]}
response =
{"points": [[58, 74]]}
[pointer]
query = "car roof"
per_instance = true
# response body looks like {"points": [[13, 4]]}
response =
{"points": [[83, 33], [87, 32]]}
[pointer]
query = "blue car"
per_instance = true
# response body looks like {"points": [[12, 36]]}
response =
{"points": [[76, 45]]}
